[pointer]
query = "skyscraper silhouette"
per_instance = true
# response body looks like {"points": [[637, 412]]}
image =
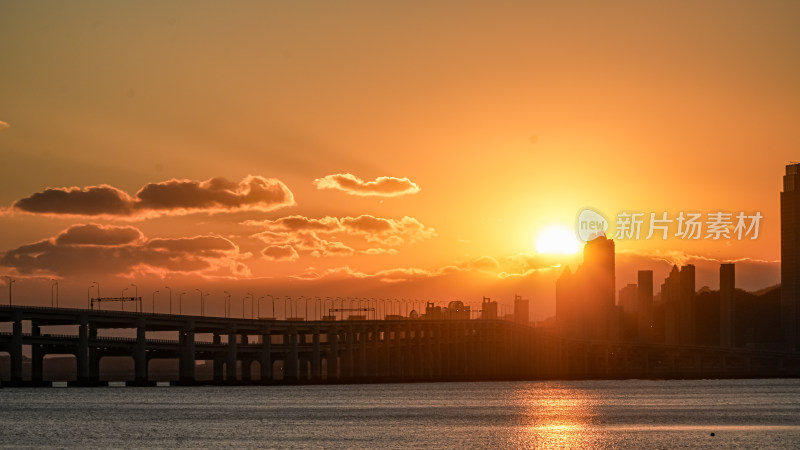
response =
{"points": [[727, 286], [644, 305], [790, 255], [585, 300]]}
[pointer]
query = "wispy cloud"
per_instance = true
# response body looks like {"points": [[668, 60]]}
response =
{"points": [[380, 187], [315, 236]]}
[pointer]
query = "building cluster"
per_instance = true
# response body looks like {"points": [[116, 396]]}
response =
{"points": [[585, 306], [457, 310]]}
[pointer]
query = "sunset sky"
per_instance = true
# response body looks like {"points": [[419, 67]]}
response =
{"points": [[382, 149]]}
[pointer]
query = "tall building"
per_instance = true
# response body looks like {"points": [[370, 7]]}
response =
{"points": [[627, 302], [727, 287], [687, 306], [521, 310], [677, 297], [627, 299], [644, 305], [585, 307], [670, 297], [488, 309], [790, 255]]}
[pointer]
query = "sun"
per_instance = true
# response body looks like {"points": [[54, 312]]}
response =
{"points": [[557, 239]]}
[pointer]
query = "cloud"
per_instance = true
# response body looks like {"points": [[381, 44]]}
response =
{"points": [[93, 234], [373, 229], [171, 197], [487, 263], [90, 248], [307, 241], [381, 187], [4, 125], [379, 251], [280, 253], [396, 275], [314, 235]]}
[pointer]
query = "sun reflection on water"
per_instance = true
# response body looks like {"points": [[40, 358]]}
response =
{"points": [[556, 416]]}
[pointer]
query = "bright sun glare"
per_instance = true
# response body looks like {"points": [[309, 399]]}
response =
{"points": [[557, 239]]}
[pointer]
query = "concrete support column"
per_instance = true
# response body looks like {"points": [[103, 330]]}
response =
{"points": [[316, 356], [94, 366], [219, 363], [386, 352], [15, 351], [424, 349], [37, 356], [417, 351], [82, 352], [333, 354], [140, 353], [397, 352], [452, 350], [230, 355], [292, 360], [246, 362], [266, 355], [347, 360], [187, 355], [362, 351], [438, 356]]}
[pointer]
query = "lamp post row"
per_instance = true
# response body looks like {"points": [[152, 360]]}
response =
{"points": [[390, 305]]}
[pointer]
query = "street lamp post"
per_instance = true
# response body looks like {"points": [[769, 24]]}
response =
{"points": [[9, 281], [227, 302], [135, 296], [170, 298], [98, 291], [54, 284], [201, 301], [272, 300], [258, 308], [180, 303], [154, 301], [122, 294], [252, 309]]}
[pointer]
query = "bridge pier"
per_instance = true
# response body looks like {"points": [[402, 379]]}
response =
{"points": [[347, 358], [37, 356], [266, 355], [82, 352], [333, 354], [290, 364], [230, 360], [140, 353], [218, 363], [246, 363], [187, 354], [316, 356], [15, 350]]}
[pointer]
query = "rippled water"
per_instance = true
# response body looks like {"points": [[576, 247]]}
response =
{"points": [[585, 414]]}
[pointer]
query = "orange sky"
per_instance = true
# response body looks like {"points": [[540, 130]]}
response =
{"points": [[495, 118]]}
